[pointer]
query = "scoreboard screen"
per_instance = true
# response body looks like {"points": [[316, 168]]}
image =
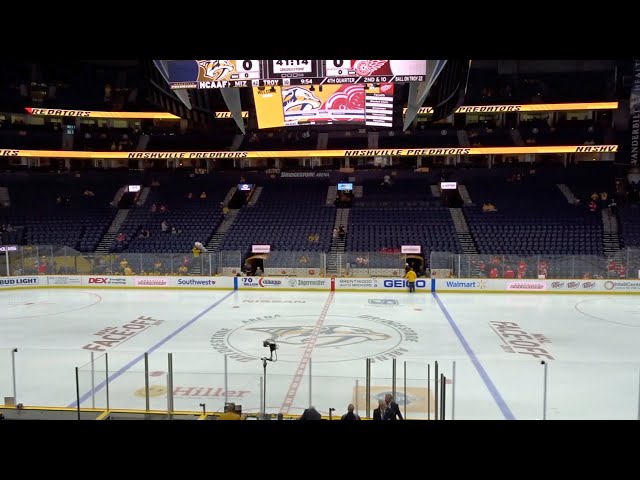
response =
{"points": [[189, 74]]}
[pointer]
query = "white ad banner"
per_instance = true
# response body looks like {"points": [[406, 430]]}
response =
{"points": [[410, 249], [202, 282], [151, 281], [358, 283], [543, 286], [107, 281], [22, 281], [59, 280], [622, 285], [284, 283]]}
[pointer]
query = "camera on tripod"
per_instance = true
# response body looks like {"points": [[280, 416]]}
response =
{"points": [[271, 344]]}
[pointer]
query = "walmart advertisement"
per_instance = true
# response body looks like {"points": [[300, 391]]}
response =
{"points": [[360, 104]]}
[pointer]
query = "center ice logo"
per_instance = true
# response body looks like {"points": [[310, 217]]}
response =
{"points": [[339, 338], [329, 335]]}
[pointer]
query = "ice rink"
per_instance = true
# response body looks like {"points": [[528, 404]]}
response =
{"points": [[497, 341]]}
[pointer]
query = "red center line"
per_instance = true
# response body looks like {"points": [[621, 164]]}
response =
{"points": [[302, 366]]}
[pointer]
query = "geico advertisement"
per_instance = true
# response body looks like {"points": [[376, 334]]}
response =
{"points": [[383, 152]]}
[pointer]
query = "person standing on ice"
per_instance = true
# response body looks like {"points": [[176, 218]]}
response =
{"points": [[411, 280]]}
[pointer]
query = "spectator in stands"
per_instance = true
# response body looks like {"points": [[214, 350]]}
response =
{"points": [[595, 196], [183, 269], [154, 208], [190, 195], [174, 231], [489, 207], [386, 180], [593, 206], [201, 247], [128, 270], [522, 269], [163, 208], [493, 273], [121, 237], [164, 226], [225, 210], [612, 208], [341, 232], [203, 195], [543, 268], [350, 415], [42, 268], [335, 233], [88, 193], [196, 251], [509, 273], [603, 197], [411, 280], [10, 228], [259, 272], [303, 260]]}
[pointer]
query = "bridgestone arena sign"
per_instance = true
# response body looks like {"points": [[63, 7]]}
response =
{"points": [[390, 152]]}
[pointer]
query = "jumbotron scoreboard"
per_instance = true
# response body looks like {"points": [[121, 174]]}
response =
{"points": [[189, 74]]}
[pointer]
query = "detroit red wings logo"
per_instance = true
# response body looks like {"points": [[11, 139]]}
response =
{"points": [[349, 98], [367, 67]]}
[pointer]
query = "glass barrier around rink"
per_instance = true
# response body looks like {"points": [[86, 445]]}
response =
{"points": [[625, 264], [294, 263], [54, 260], [6, 374], [372, 264]]}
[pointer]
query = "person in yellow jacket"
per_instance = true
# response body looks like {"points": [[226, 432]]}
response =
{"points": [[230, 413], [411, 280]]}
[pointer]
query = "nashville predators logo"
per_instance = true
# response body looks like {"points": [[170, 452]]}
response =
{"points": [[216, 69], [329, 335], [297, 99]]}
